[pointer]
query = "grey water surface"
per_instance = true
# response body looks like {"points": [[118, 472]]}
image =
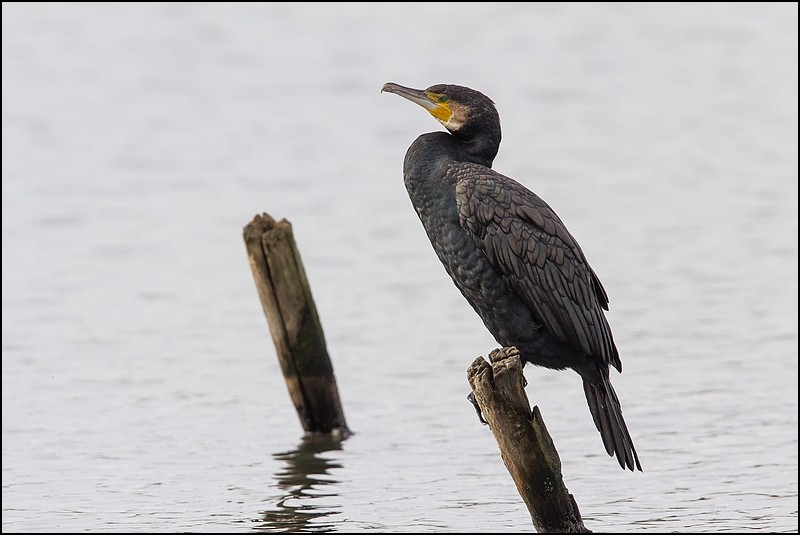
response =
{"points": [[141, 391]]}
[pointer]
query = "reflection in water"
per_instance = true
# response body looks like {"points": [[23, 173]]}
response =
{"points": [[305, 473]]}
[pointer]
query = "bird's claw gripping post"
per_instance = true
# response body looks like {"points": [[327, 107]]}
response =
{"points": [[471, 398]]}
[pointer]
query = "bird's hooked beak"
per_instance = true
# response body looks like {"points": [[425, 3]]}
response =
{"points": [[436, 104]]}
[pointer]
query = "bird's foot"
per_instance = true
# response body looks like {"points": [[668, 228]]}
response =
{"points": [[471, 398]]}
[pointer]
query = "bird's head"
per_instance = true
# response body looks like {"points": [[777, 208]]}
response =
{"points": [[460, 109]]}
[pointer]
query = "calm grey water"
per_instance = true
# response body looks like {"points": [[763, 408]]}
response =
{"points": [[141, 391]]}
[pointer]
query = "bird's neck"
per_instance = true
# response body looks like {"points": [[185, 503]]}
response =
{"points": [[481, 147], [479, 151]]}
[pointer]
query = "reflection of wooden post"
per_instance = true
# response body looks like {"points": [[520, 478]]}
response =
{"points": [[525, 445], [294, 324]]}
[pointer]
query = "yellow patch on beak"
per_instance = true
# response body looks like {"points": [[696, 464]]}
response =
{"points": [[440, 110]]}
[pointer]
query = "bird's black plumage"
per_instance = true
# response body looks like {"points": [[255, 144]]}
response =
{"points": [[510, 255]]}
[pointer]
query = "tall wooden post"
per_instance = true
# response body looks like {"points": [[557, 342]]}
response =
{"points": [[294, 324], [525, 445]]}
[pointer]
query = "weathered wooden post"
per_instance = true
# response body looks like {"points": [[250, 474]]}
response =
{"points": [[294, 324], [525, 445]]}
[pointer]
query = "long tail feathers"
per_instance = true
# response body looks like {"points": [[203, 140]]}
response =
{"points": [[607, 414]]}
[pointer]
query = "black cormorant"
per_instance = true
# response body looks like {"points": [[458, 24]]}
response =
{"points": [[509, 253]]}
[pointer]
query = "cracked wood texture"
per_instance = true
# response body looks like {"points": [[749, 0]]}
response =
{"points": [[525, 445], [294, 324]]}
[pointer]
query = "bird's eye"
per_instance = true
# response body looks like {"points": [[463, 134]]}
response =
{"points": [[443, 98]]}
